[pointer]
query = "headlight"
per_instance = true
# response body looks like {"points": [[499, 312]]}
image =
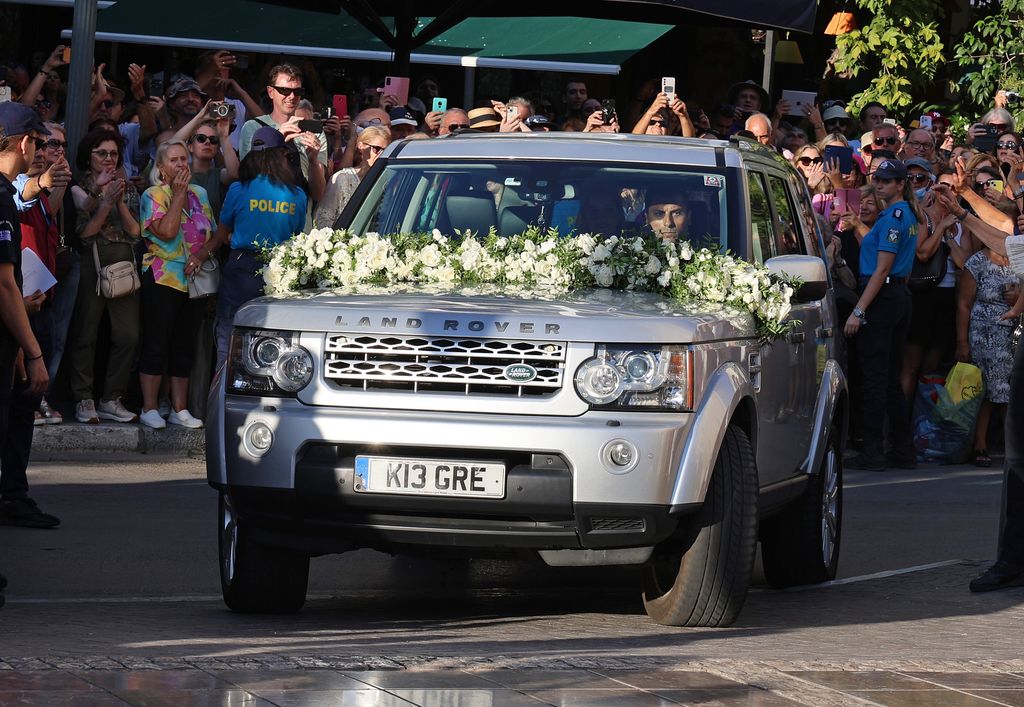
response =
{"points": [[268, 363], [635, 377]]}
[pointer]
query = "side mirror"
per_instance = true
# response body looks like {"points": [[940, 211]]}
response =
{"points": [[809, 269]]}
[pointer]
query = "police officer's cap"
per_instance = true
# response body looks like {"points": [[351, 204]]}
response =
{"points": [[19, 119], [891, 169]]}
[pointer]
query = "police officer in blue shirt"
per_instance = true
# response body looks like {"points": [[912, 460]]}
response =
{"points": [[881, 320]]}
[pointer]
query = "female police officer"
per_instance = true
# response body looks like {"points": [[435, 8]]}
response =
{"points": [[881, 319]]}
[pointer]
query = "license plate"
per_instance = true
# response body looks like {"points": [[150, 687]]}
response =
{"points": [[430, 477]]}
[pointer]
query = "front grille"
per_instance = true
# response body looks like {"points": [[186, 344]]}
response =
{"points": [[440, 364], [617, 525]]}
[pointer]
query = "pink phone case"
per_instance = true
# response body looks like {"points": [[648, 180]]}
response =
{"points": [[397, 86]]}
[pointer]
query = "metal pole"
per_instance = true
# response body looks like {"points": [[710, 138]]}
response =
{"points": [[83, 36], [468, 87], [769, 63]]}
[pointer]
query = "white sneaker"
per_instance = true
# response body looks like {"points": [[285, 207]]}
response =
{"points": [[85, 411], [114, 410], [151, 418], [184, 418]]}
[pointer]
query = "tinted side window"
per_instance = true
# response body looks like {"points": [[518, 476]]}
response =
{"points": [[763, 235], [788, 239]]}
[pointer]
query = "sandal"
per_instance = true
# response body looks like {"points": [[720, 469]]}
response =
{"points": [[981, 458]]}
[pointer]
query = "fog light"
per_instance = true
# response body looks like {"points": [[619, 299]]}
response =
{"points": [[259, 438], [619, 456]]}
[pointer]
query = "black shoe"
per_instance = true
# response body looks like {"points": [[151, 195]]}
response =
{"points": [[999, 576], [863, 461], [25, 513]]}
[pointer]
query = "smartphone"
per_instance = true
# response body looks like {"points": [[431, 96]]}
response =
{"points": [[311, 126], [797, 100], [241, 61], [987, 141], [847, 200], [997, 184], [397, 86], [340, 104], [440, 105], [925, 122], [512, 112], [66, 58], [889, 121], [668, 87], [841, 153], [607, 111], [5, 94]]}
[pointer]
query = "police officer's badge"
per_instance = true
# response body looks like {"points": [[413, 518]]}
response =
{"points": [[894, 235], [898, 213]]}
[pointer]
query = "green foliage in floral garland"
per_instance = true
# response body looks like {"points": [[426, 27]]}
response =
{"points": [[538, 261]]}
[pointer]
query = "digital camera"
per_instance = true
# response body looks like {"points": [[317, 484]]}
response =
{"points": [[222, 110]]}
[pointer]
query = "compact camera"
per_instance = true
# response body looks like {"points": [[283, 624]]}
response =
{"points": [[222, 110], [1012, 98]]}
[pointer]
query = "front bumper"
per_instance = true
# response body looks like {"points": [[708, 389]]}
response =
{"points": [[559, 494]]}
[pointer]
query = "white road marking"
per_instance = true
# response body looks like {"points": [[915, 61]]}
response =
{"points": [[876, 575]]}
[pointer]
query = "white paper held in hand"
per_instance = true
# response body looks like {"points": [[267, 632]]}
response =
{"points": [[35, 277]]}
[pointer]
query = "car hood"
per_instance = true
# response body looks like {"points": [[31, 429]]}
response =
{"points": [[594, 315]]}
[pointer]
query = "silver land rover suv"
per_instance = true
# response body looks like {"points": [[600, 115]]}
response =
{"points": [[416, 422]]}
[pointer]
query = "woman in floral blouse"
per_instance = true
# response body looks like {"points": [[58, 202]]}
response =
{"points": [[177, 222]]}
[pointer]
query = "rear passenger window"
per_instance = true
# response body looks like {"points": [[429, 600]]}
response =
{"points": [[788, 241], [763, 235]]}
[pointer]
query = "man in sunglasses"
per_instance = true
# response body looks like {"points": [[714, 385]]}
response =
{"points": [[885, 143], [452, 120], [307, 152]]}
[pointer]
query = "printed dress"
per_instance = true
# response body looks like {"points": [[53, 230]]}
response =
{"points": [[167, 258], [989, 336]]}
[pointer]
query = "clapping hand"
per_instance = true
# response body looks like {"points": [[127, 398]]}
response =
{"points": [[137, 81]]}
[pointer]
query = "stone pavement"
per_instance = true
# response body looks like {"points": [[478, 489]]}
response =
{"points": [[72, 439]]}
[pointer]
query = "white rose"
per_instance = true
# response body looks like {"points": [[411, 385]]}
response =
{"points": [[638, 245], [430, 256], [665, 278], [604, 276], [653, 266]]}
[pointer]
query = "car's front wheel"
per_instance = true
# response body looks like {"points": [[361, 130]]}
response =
{"points": [[700, 576], [257, 578]]}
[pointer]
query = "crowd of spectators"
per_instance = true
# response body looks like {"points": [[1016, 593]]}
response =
{"points": [[179, 170]]}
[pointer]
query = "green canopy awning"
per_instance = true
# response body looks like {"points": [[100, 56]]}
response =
{"points": [[569, 44]]}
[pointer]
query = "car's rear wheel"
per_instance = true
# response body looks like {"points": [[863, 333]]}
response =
{"points": [[801, 544], [700, 576], [257, 578]]}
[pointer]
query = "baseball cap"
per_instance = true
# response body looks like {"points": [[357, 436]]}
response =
{"points": [[182, 84], [402, 116], [266, 138], [835, 113], [937, 117], [19, 119], [891, 169], [918, 162]]}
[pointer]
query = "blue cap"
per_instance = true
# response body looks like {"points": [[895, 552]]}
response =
{"points": [[891, 169], [266, 138], [19, 119]]}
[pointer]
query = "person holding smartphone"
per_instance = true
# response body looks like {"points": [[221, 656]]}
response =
{"points": [[881, 318]]}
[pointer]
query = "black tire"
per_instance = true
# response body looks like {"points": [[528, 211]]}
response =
{"points": [[700, 576], [257, 578], [801, 544]]}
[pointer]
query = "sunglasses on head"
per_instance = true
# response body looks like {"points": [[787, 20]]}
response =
{"points": [[286, 91], [1007, 145], [885, 141], [808, 161], [201, 139]]}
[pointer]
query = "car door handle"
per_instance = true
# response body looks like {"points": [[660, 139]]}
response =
{"points": [[795, 337]]}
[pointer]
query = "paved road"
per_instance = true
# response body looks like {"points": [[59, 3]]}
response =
{"points": [[130, 582]]}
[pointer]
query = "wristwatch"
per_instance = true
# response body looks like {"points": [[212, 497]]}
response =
{"points": [[859, 313]]}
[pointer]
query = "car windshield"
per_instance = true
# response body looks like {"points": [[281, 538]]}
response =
{"points": [[572, 197]]}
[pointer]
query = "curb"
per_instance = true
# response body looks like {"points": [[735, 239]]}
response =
{"points": [[70, 438]]}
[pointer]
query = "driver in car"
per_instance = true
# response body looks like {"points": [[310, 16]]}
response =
{"points": [[667, 214]]}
